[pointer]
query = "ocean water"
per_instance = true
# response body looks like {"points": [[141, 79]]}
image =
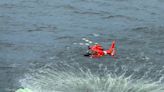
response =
{"points": [[37, 49]]}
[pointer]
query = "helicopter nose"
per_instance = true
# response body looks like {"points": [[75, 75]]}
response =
{"points": [[87, 54]]}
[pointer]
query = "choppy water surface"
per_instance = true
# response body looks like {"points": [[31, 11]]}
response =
{"points": [[37, 50]]}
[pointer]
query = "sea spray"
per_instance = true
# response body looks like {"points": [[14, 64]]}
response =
{"points": [[64, 77]]}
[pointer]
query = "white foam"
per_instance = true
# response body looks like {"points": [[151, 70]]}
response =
{"points": [[72, 79], [90, 42], [81, 43], [96, 35], [87, 44]]}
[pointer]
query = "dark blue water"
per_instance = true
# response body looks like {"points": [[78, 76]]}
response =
{"points": [[38, 35]]}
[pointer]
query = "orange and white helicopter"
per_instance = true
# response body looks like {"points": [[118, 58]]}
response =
{"points": [[97, 51]]}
